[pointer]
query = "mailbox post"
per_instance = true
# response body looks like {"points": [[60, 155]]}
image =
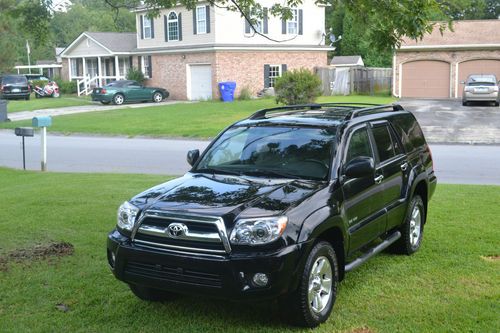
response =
{"points": [[22, 132], [42, 123]]}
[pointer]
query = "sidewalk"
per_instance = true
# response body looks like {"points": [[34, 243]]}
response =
{"points": [[26, 115]]}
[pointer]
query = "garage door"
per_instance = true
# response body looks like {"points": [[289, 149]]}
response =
{"points": [[476, 67], [200, 82], [426, 79]]}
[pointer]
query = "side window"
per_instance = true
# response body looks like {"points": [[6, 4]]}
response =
{"points": [[397, 146], [383, 141], [359, 145]]}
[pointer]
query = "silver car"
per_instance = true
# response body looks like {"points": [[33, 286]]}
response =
{"points": [[481, 88]]}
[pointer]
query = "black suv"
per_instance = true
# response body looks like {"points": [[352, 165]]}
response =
{"points": [[14, 87], [280, 205]]}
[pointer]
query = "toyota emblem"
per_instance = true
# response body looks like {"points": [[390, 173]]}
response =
{"points": [[176, 230]]}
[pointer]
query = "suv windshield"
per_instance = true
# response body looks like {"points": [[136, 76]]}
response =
{"points": [[278, 152], [15, 80]]}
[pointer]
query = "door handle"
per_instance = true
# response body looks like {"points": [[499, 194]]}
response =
{"points": [[404, 166], [379, 179]]}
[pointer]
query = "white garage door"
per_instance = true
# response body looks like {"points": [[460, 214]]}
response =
{"points": [[200, 82]]}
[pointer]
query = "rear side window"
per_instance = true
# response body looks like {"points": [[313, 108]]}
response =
{"points": [[409, 131], [359, 145], [383, 141]]}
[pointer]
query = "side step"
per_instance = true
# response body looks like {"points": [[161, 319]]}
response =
{"points": [[376, 250]]}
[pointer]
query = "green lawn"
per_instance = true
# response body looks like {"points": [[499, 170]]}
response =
{"points": [[203, 120], [445, 287], [46, 103]]}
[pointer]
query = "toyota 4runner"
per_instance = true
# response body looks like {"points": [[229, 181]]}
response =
{"points": [[280, 205]]}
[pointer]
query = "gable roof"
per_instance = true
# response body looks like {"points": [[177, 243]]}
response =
{"points": [[347, 61], [465, 34], [113, 42]]}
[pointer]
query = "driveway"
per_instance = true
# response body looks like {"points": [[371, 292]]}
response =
{"points": [[447, 121]]}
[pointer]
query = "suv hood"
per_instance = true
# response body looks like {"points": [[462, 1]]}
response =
{"points": [[229, 196]]}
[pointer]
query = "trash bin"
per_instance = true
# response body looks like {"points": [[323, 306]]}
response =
{"points": [[3, 111], [227, 91]]}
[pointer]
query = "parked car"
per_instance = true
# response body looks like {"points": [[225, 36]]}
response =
{"points": [[280, 205], [481, 88], [14, 87], [122, 91]]}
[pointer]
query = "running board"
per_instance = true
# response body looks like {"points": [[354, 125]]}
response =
{"points": [[376, 250]]}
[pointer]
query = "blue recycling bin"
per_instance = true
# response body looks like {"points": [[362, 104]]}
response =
{"points": [[227, 90]]}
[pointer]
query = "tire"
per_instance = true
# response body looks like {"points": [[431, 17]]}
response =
{"points": [[118, 99], [105, 102], [37, 96], [150, 294], [309, 309], [412, 229], [157, 97], [27, 98], [497, 103]]}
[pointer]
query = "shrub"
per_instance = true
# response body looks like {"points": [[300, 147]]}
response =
{"points": [[66, 87], [245, 94], [297, 87], [135, 74], [40, 83]]}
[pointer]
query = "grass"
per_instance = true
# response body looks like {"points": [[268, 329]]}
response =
{"points": [[200, 120], [445, 287], [46, 103]]}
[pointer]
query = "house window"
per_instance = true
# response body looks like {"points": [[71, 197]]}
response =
{"points": [[147, 27], [146, 66], [274, 72], [124, 64], [201, 20], [173, 27], [74, 67], [258, 24], [293, 24], [92, 67]]}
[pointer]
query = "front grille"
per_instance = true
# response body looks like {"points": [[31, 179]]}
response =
{"points": [[173, 274], [197, 234]]}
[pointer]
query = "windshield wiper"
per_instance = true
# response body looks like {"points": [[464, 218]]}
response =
{"points": [[270, 172], [223, 171]]}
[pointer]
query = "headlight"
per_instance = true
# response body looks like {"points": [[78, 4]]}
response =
{"points": [[127, 213], [258, 231]]}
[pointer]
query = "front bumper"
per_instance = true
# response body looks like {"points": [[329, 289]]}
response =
{"points": [[224, 276], [10, 95]]}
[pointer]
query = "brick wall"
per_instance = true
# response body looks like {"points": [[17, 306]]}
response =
{"points": [[452, 57], [246, 68]]}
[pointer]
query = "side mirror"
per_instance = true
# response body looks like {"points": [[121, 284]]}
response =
{"points": [[359, 167], [192, 156]]}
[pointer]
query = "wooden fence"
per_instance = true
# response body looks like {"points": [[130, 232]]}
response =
{"points": [[361, 80]]}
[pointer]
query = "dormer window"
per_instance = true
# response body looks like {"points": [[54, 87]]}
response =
{"points": [[292, 25], [147, 28], [173, 27]]}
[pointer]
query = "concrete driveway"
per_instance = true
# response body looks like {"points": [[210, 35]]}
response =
{"points": [[447, 121]]}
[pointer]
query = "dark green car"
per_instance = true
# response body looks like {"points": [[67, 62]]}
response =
{"points": [[122, 91]]}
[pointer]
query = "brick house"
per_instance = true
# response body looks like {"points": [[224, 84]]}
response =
{"points": [[190, 52], [435, 66]]}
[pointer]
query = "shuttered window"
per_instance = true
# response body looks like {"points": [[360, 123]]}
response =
{"points": [[201, 20], [147, 28]]}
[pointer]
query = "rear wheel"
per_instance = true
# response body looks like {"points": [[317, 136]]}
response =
{"points": [[118, 99], [313, 301], [150, 294], [412, 230], [157, 97]]}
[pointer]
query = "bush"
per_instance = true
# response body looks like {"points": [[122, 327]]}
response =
{"points": [[40, 83], [135, 74], [297, 87], [245, 94], [66, 87]]}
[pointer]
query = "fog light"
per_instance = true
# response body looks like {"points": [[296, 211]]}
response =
{"points": [[260, 280]]}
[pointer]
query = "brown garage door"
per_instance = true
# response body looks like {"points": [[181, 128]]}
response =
{"points": [[426, 79], [476, 67]]}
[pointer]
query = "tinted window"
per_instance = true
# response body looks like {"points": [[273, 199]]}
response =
{"points": [[383, 142], [409, 131], [359, 145], [15, 80]]}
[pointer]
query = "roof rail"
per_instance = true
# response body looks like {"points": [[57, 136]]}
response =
{"points": [[377, 109]]}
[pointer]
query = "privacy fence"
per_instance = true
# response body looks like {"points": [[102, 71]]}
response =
{"points": [[360, 80]]}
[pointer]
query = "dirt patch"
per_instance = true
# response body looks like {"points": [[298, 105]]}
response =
{"points": [[492, 258], [363, 329], [38, 252]]}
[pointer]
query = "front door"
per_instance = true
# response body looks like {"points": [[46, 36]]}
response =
{"points": [[364, 215]]}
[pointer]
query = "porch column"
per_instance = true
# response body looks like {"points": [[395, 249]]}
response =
{"points": [[99, 71], [117, 68], [84, 68], [70, 71]]}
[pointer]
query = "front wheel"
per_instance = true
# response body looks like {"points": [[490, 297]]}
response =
{"points": [[412, 229], [150, 294], [157, 97], [118, 99], [313, 301]]}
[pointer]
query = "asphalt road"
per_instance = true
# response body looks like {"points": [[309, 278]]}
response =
{"points": [[464, 164]]}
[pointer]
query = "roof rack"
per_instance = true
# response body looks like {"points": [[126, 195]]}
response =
{"points": [[353, 109]]}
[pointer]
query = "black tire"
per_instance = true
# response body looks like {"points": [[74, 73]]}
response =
{"points": [[157, 97], [302, 308], [150, 294], [105, 102], [118, 99], [409, 243]]}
